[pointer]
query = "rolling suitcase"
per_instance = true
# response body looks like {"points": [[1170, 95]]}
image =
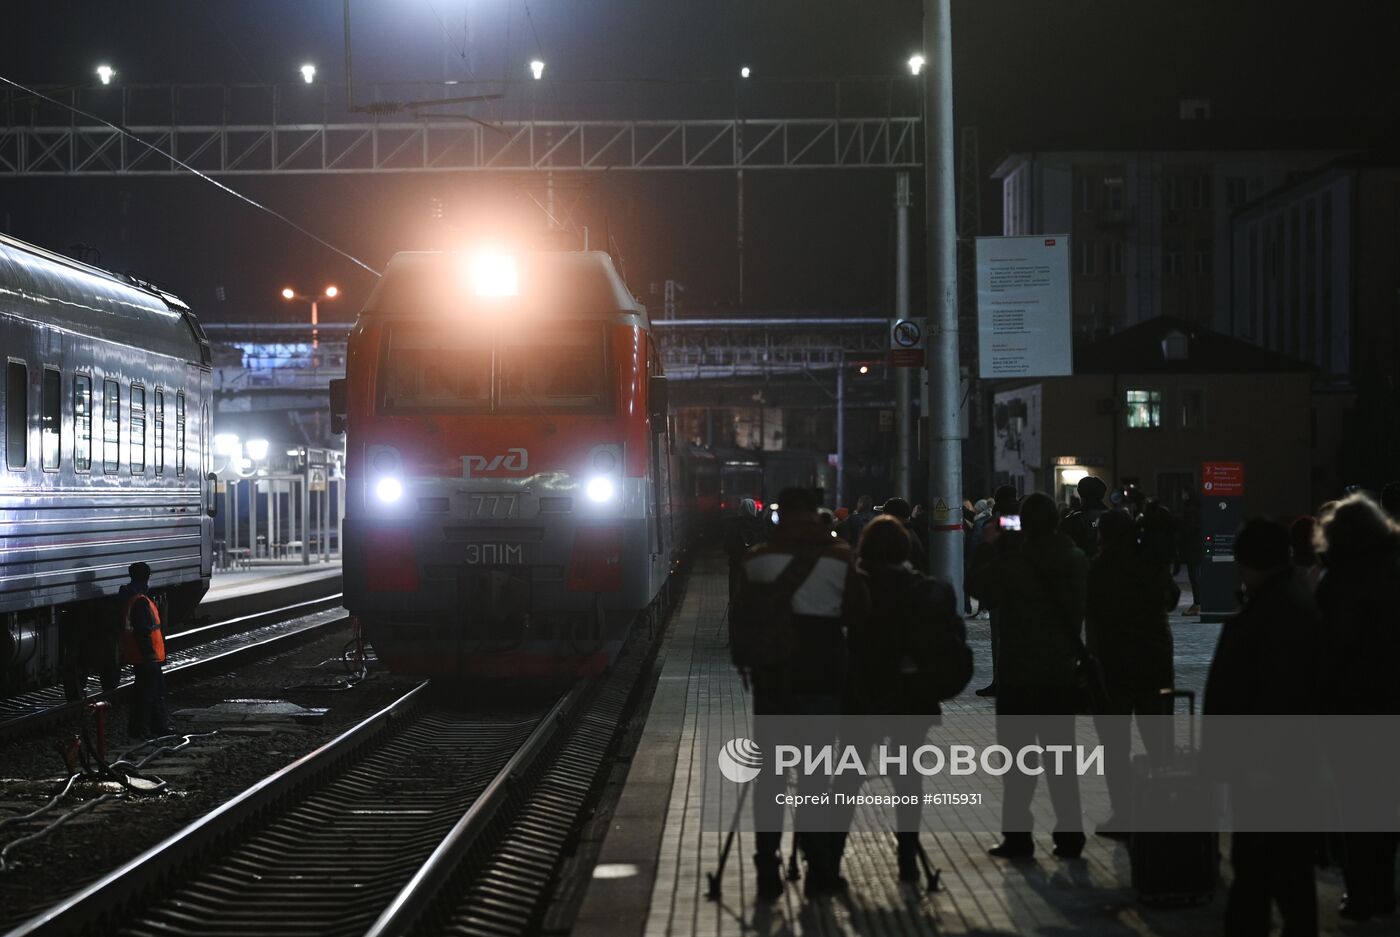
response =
{"points": [[1174, 867]]}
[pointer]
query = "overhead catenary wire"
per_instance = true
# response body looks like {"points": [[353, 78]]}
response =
{"points": [[188, 168]]}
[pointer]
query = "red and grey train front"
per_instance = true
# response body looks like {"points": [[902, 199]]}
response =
{"points": [[503, 519]]}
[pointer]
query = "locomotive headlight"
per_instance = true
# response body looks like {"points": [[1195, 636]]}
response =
{"points": [[388, 490], [600, 488], [493, 274]]}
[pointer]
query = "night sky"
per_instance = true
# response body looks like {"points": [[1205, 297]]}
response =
{"points": [[1026, 73]]}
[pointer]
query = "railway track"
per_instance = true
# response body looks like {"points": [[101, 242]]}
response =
{"points": [[190, 653], [424, 818]]}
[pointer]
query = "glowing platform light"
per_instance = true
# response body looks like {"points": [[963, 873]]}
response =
{"points": [[106, 73], [745, 72], [226, 444], [332, 292], [537, 69], [493, 274], [388, 490], [308, 73], [916, 64], [600, 489], [257, 449]]}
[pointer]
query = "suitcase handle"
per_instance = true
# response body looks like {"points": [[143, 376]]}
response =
{"points": [[1173, 694]]}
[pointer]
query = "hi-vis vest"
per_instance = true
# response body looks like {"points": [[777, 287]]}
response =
{"points": [[131, 651]]}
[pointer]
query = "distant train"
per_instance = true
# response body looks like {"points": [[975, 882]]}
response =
{"points": [[106, 402]]}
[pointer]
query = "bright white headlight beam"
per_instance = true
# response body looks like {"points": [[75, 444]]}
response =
{"points": [[388, 490], [600, 489]]}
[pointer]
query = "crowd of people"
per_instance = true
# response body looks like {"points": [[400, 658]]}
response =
{"points": [[1079, 597]]}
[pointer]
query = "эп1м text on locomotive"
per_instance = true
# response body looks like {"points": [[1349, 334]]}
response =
{"points": [[106, 407], [511, 465]]}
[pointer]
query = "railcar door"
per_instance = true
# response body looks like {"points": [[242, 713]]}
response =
{"points": [[204, 464]]}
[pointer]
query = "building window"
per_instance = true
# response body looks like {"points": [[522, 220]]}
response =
{"points": [[17, 415], [138, 430], [180, 434], [1203, 257], [158, 419], [1175, 267], [1116, 255], [51, 418], [1193, 407], [1113, 187], [82, 422], [1235, 192], [1087, 250], [1144, 409], [1083, 193], [1200, 191], [111, 425]]}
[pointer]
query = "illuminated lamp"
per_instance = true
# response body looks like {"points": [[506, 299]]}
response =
{"points": [[493, 274]]}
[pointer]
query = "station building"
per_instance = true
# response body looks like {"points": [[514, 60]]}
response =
{"points": [[1149, 405]]}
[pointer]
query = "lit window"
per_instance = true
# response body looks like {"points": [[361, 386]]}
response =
{"points": [[1144, 409], [138, 431], [180, 434], [158, 420], [82, 422]]}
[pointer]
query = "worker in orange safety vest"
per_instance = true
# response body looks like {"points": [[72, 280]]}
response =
{"points": [[143, 646]]}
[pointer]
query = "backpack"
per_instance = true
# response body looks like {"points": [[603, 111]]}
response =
{"points": [[935, 660], [761, 632]]}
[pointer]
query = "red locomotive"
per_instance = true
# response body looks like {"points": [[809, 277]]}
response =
{"points": [[511, 462]]}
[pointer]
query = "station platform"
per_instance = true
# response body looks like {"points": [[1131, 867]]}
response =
{"points": [[650, 877], [243, 591]]}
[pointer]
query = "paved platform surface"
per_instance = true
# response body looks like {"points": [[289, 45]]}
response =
{"points": [[650, 877], [243, 582]]}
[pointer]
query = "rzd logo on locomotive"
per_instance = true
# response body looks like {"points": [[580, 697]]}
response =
{"points": [[513, 462]]}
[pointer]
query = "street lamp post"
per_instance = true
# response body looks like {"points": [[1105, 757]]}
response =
{"points": [[331, 292]]}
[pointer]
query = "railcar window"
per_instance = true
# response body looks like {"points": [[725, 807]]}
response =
{"points": [[51, 418], [138, 430], [180, 434], [17, 415], [158, 419], [82, 422], [427, 371], [111, 425], [559, 370]]}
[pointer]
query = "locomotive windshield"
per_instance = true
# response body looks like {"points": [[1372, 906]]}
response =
{"points": [[563, 370]]}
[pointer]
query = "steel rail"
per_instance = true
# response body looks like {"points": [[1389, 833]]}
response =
{"points": [[98, 907], [41, 708]]}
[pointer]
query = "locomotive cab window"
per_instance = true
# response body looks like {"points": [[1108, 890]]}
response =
{"points": [[17, 415], [138, 430], [561, 369], [51, 418], [558, 371], [111, 425], [426, 370], [82, 422]]}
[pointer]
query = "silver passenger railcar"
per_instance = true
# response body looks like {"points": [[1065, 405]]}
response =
{"points": [[106, 405]]}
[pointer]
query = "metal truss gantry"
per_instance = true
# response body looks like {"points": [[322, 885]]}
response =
{"points": [[211, 133]]}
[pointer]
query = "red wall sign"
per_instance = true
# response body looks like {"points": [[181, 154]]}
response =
{"points": [[1222, 478]]}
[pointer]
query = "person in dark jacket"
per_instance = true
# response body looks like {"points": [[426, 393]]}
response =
{"points": [[898, 508], [1082, 525], [849, 529], [1129, 594], [901, 598], [1005, 503], [741, 533], [1265, 664], [1191, 547], [144, 648], [1035, 579], [829, 600], [1359, 597]]}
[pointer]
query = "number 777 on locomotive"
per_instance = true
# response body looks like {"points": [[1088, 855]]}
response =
{"points": [[509, 457]]}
